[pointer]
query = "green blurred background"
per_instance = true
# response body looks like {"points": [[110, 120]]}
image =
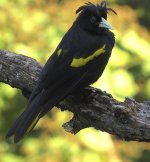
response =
{"points": [[34, 28]]}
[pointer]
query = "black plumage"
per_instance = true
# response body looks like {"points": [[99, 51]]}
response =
{"points": [[79, 60]]}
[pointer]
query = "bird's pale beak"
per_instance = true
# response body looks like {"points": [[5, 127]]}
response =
{"points": [[105, 24]]}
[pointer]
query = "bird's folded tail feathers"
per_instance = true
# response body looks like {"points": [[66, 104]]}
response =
{"points": [[24, 124], [29, 118], [14, 126]]}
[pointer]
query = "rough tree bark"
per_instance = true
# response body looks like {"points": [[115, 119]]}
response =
{"points": [[91, 107]]}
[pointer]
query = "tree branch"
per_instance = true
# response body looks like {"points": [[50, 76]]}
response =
{"points": [[91, 107]]}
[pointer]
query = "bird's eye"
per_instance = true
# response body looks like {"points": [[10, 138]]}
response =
{"points": [[93, 19]]}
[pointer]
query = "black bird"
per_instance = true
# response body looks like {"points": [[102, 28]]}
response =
{"points": [[78, 61]]}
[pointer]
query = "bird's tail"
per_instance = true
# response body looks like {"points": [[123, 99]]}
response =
{"points": [[24, 124]]}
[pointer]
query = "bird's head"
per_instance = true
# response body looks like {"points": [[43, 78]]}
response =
{"points": [[93, 18]]}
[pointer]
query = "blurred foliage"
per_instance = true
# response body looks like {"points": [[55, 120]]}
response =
{"points": [[140, 8], [34, 28]]}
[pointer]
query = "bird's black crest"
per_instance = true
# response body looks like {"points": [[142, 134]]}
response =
{"points": [[99, 9]]}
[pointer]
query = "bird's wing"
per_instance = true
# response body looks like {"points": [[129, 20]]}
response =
{"points": [[68, 61]]}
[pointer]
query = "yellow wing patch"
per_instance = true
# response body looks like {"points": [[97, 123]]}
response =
{"points": [[33, 123], [59, 52], [78, 62]]}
